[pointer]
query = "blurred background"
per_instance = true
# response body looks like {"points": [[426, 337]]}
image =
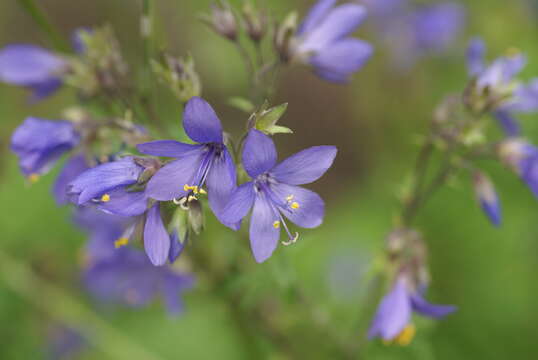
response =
{"points": [[375, 121]]}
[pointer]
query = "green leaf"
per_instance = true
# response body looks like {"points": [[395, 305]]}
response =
{"points": [[268, 118], [276, 129]]}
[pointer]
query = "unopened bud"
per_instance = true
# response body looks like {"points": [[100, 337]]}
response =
{"points": [[284, 36], [255, 21], [222, 20], [196, 216], [487, 197], [179, 75]]}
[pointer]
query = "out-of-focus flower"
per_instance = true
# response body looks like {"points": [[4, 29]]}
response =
{"points": [[322, 40], [32, 67], [522, 158], [273, 192], [39, 143], [487, 197], [392, 322], [494, 87], [179, 75], [128, 277], [207, 163], [411, 31], [72, 168], [64, 342], [255, 21]]}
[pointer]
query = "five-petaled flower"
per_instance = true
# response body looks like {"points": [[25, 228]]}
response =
{"points": [[322, 40], [392, 322], [206, 164], [273, 192]]}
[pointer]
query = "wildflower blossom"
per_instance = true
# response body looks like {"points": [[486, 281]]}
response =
{"points": [[32, 67], [487, 197], [206, 164], [322, 40], [39, 143], [392, 321], [118, 273], [496, 89], [273, 192]]}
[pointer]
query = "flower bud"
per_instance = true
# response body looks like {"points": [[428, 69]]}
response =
{"points": [[196, 216], [284, 36], [222, 20], [255, 21], [512, 152], [179, 75], [487, 197]]}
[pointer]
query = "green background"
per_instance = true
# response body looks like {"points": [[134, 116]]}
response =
{"points": [[489, 273]]}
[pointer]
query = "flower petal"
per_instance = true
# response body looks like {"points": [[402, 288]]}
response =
{"points": [[259, 153], [28, 65], [339, 60], [73, 167], [156, 238], [167, 148], [263, 234], [340, 22], [105, 177], [125, 203], [508, 123], [240, 203], [525, 99], [475, 56], [173, 286], [221, 182], [311, 207], [315, 15], [201, 122], [423, 307], [305, 166], [176, 246], [168, 181], [393, 313]]}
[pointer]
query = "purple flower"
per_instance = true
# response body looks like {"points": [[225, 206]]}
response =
{"points": [[322, 40], [392, 322], [207, 163], [487, 197], [128, 277], [32, 67], [72, 168], [522, 157], [40, 143], [498, 84], [273, 192]]}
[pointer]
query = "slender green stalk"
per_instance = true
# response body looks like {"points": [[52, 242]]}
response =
{"points": [[65, 309], [41, 19], [146, 32]]}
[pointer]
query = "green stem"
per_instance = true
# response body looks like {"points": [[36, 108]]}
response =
{"points": [[39, 16], [146, 32], [65, 309]]}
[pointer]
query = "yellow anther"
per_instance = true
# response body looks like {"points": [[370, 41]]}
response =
{"points": [[194, 189], [191, 198], [276, 224], [33, 178], [105, 198], [186, 187], [121, 242], [203, 192], [295, 205], [404, 337], [289, 198]]}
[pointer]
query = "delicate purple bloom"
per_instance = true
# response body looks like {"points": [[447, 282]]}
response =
{"points": [[99, 181], [156, 238], [322, 40], [128, 277], [32, 67], [393, 315], [273, 192], [207, 163], [487, 197], [40, 143], [522, 157]]}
